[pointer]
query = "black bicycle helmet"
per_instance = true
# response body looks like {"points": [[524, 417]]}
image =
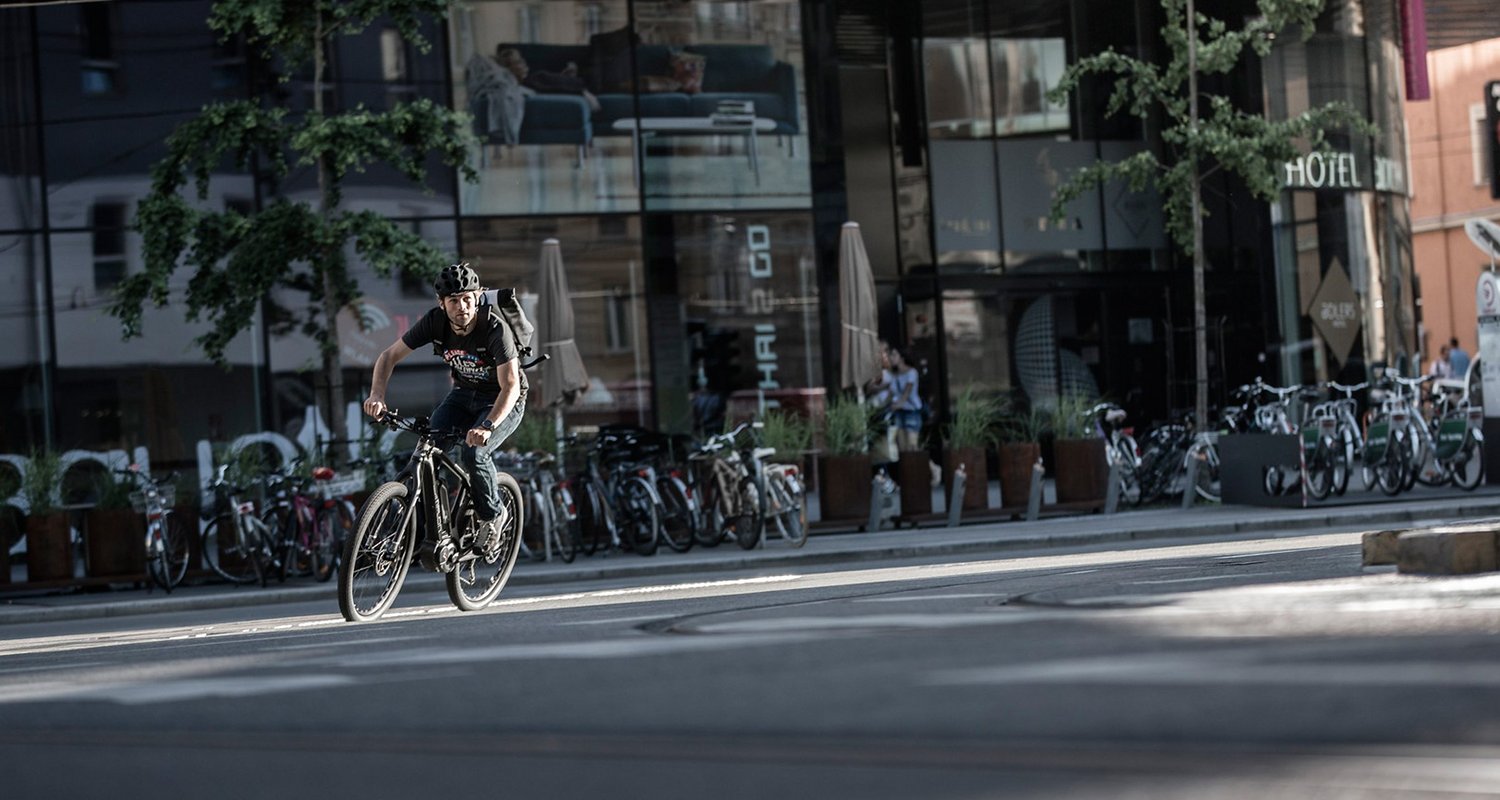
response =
{"points": [[456, 278]]}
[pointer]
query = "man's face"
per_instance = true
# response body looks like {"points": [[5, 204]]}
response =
{"points": [[460, 307]]}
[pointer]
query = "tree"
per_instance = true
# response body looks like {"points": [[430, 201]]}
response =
{"points": [[1196, 146], [237, 259]]}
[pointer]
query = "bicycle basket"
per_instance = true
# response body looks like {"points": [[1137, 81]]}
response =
{"points": [[166, 495]]}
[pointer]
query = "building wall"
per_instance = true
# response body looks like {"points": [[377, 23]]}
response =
{"points": [[1449, 187]]}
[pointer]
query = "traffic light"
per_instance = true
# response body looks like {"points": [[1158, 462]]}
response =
{"points": [[1492, 134]]}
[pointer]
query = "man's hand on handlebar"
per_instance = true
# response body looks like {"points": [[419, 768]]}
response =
{"points": [[374, 406]]}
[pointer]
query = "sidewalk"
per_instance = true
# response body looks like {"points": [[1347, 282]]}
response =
{"points": [[826, 548]]}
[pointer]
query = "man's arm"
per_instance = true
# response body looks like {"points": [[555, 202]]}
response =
{"points": [[374, 405], [508, 376]]}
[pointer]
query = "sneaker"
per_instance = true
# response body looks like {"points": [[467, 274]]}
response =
{"points": [[487, 532]]}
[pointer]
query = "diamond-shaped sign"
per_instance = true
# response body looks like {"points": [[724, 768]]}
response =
{"points": [[1335, 312]]}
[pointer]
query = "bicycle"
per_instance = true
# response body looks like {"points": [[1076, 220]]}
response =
{"points": [[729, 499], [1348, 431], [1122, 451], [166, 540], [237, 544], [311, 526], [425, 514]]}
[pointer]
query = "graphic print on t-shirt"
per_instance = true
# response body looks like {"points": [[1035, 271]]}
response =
{"points": [[467, 366]]}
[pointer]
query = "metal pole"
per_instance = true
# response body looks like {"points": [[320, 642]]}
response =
{"points": [[956, 496], [1034, 499]]}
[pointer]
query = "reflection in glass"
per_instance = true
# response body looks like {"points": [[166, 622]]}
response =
{"points": [[701, 104], [607, 286], [23, 327], [749, 288], [157, 391]]}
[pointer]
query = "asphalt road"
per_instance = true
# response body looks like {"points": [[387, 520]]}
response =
{"points": [[1221, 669]]}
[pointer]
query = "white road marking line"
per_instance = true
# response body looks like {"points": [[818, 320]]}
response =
{"points": [[341, 643], [141, 693]]}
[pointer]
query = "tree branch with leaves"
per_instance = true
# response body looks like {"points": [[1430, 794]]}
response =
{"points": [[1198, 145], [236, 260]]}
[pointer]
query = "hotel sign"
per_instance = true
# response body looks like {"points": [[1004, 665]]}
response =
{"points": [[1335, 170]]}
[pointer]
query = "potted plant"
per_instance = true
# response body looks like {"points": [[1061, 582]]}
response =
{"points": [[844, 477], [49, 547], [914, 475], [788, 433], [971, 431], [113, 535], [1079, 465], [1021, 435]]}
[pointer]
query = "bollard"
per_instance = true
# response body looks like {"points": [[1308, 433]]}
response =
{"points": [[1034, 501], [956, 496], [1112, 494], [877, 501], [1189, 486]]}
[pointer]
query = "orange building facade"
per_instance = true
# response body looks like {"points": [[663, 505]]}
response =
{"points": [[1450, 185]]}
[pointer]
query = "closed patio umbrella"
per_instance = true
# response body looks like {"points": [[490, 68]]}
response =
{"points": [[563, 376], [860, 344]]}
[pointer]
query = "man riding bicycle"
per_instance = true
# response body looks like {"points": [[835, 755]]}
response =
{"points": [[489, 388]]}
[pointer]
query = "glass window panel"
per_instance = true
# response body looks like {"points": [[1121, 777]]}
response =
{"points": [[606, 283], [583, 112], [24, 405], [748, 284], [718, 115], [385, 309], [156, 391]]}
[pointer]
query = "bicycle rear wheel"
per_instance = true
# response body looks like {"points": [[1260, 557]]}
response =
{"points": [[479, 577], [1208, 485], [330, 529], [1468, 466], [378, 554], [639, 519], [225, 552], [750, 525], [167, 561], [678, 519]]}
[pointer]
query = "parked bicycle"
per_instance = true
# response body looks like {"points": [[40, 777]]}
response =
{"points": [[237, 544], [166, 535], [1122, 452]]}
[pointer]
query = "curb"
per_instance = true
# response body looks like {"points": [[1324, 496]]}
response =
{"points": [[914, 547]]}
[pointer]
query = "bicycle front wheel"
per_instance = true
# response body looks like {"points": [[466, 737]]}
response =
{"points": [[479, 577], [791, 510], [225, 552], [679, 521], [378, 554]]}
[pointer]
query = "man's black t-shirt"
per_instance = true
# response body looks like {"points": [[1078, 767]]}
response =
{"points": [[473, 357]]}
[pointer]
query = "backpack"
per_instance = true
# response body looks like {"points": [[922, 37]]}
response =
{"points": [[509, 311], [500, 307]]}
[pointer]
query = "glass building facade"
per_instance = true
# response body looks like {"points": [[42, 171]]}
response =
{"points": [[695, 160]]}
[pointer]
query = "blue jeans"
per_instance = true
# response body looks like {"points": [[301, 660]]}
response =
{"points": [[461, 410]]}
